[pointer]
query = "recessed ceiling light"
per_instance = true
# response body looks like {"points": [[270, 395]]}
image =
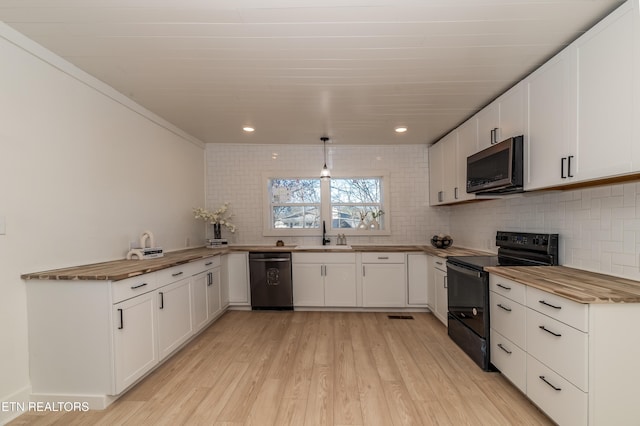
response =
{"points": [[401, 129], [248, 129]]}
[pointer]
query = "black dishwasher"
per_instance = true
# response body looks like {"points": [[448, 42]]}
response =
{"points": [[270, 278]]}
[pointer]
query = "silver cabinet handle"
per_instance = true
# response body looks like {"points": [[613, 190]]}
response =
{"points": [[542, 327], [499, 305], [504, 349], [133, 287], [438, 263], [383, 257], [549, 304], [363, 274], [455, 192], [177, 274], [446, 282], [208, 264], [504, 287], [547, 382]]}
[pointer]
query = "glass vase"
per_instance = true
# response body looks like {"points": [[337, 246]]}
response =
{"points": [[217, 231]]}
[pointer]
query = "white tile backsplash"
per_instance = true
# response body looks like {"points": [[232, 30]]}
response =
{"points": [[599, 227], [234, 174]]}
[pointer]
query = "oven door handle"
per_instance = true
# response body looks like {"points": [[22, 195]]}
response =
{"points": [[465, 271]]}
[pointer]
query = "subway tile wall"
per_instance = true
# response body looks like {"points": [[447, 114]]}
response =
{"points": [[234, 174], [599, 227]]}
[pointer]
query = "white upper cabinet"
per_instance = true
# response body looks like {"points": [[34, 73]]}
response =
{"points": [[606, 68], [448, 165], [503, 118], [582, 107], [550, 124]]}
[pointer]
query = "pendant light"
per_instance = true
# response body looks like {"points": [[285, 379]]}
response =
{"points": [[325, 174]]}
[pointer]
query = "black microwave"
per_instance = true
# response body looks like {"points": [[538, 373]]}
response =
{"points": [[497, 169]]}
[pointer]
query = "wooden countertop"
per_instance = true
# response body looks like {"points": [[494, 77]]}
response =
{"points": [[121, 269], [574, 284]]}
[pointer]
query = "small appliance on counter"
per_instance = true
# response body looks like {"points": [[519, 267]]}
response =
{"points": [[144, 252]]}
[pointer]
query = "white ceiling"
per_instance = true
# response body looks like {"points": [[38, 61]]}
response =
{"points": [[300, 69]]}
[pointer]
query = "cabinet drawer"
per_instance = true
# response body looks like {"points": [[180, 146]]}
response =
{"points": [[439, 263], [323, 258], [507, 288], [508, 318], [205, 264], [175, 273], [383, 257], [559, 399], [559, 346], [509, 359], [567, 311], [134, 286]]}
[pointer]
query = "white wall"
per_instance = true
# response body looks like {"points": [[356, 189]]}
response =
{"points": [[599, 227], [234, 173], [81, 175]]}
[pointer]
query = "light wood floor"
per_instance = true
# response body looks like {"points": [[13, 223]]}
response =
{"points": [[315, 368]]}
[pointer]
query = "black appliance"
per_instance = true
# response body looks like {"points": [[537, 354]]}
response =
{"points": [[497, 169], [270, 281], [468, 287]]}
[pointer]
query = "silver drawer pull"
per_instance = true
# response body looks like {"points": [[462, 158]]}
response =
{"points": [[133, 287], [177, 274], [383, 257], [549, 304], [504, 287], [438, 263], [547, 382], [504, 349], [208, 264], [503, 307], [542, 327]]}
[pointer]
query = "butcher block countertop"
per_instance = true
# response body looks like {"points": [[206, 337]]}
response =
{"points": [[574, 284], [121, 269]]}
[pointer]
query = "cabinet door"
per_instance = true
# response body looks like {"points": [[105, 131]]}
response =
{"points": [[174, 316], [417, 279], [512, 113], [467, 145], [606, 95], [431, 283], [436, 189], [213, 293], [449, 167], [384, 285], [550, 121], [224, 282], [199, 313], [488, 120], [340, 285], [441, 295], [308, 284], [134, 337], [238, 278]]}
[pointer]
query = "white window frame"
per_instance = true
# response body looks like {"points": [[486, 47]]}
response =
{"points": [[325, 205]]}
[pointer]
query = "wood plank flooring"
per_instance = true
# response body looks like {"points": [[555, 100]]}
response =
{"points": [[315, 368]]}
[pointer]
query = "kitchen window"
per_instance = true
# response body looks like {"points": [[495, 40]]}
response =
{"points": [[297, 205]]}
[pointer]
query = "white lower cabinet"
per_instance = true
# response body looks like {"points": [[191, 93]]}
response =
{"points": [[91, 340], [324, 279], [417, 279], [437, 297], [384, 282], [134, 339], [174, 316], [571, 359], [237, 265], [557, 397]]}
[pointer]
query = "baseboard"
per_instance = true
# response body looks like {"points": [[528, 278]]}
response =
{"points": [[10, 407]]}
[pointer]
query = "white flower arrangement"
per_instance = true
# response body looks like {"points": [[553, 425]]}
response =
{"points": [[220, 216]]}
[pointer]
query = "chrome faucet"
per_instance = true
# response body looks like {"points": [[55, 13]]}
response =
{"points": [[325, 240]]}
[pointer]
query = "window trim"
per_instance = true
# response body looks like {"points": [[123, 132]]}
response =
{"points": [[325, 204]]}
